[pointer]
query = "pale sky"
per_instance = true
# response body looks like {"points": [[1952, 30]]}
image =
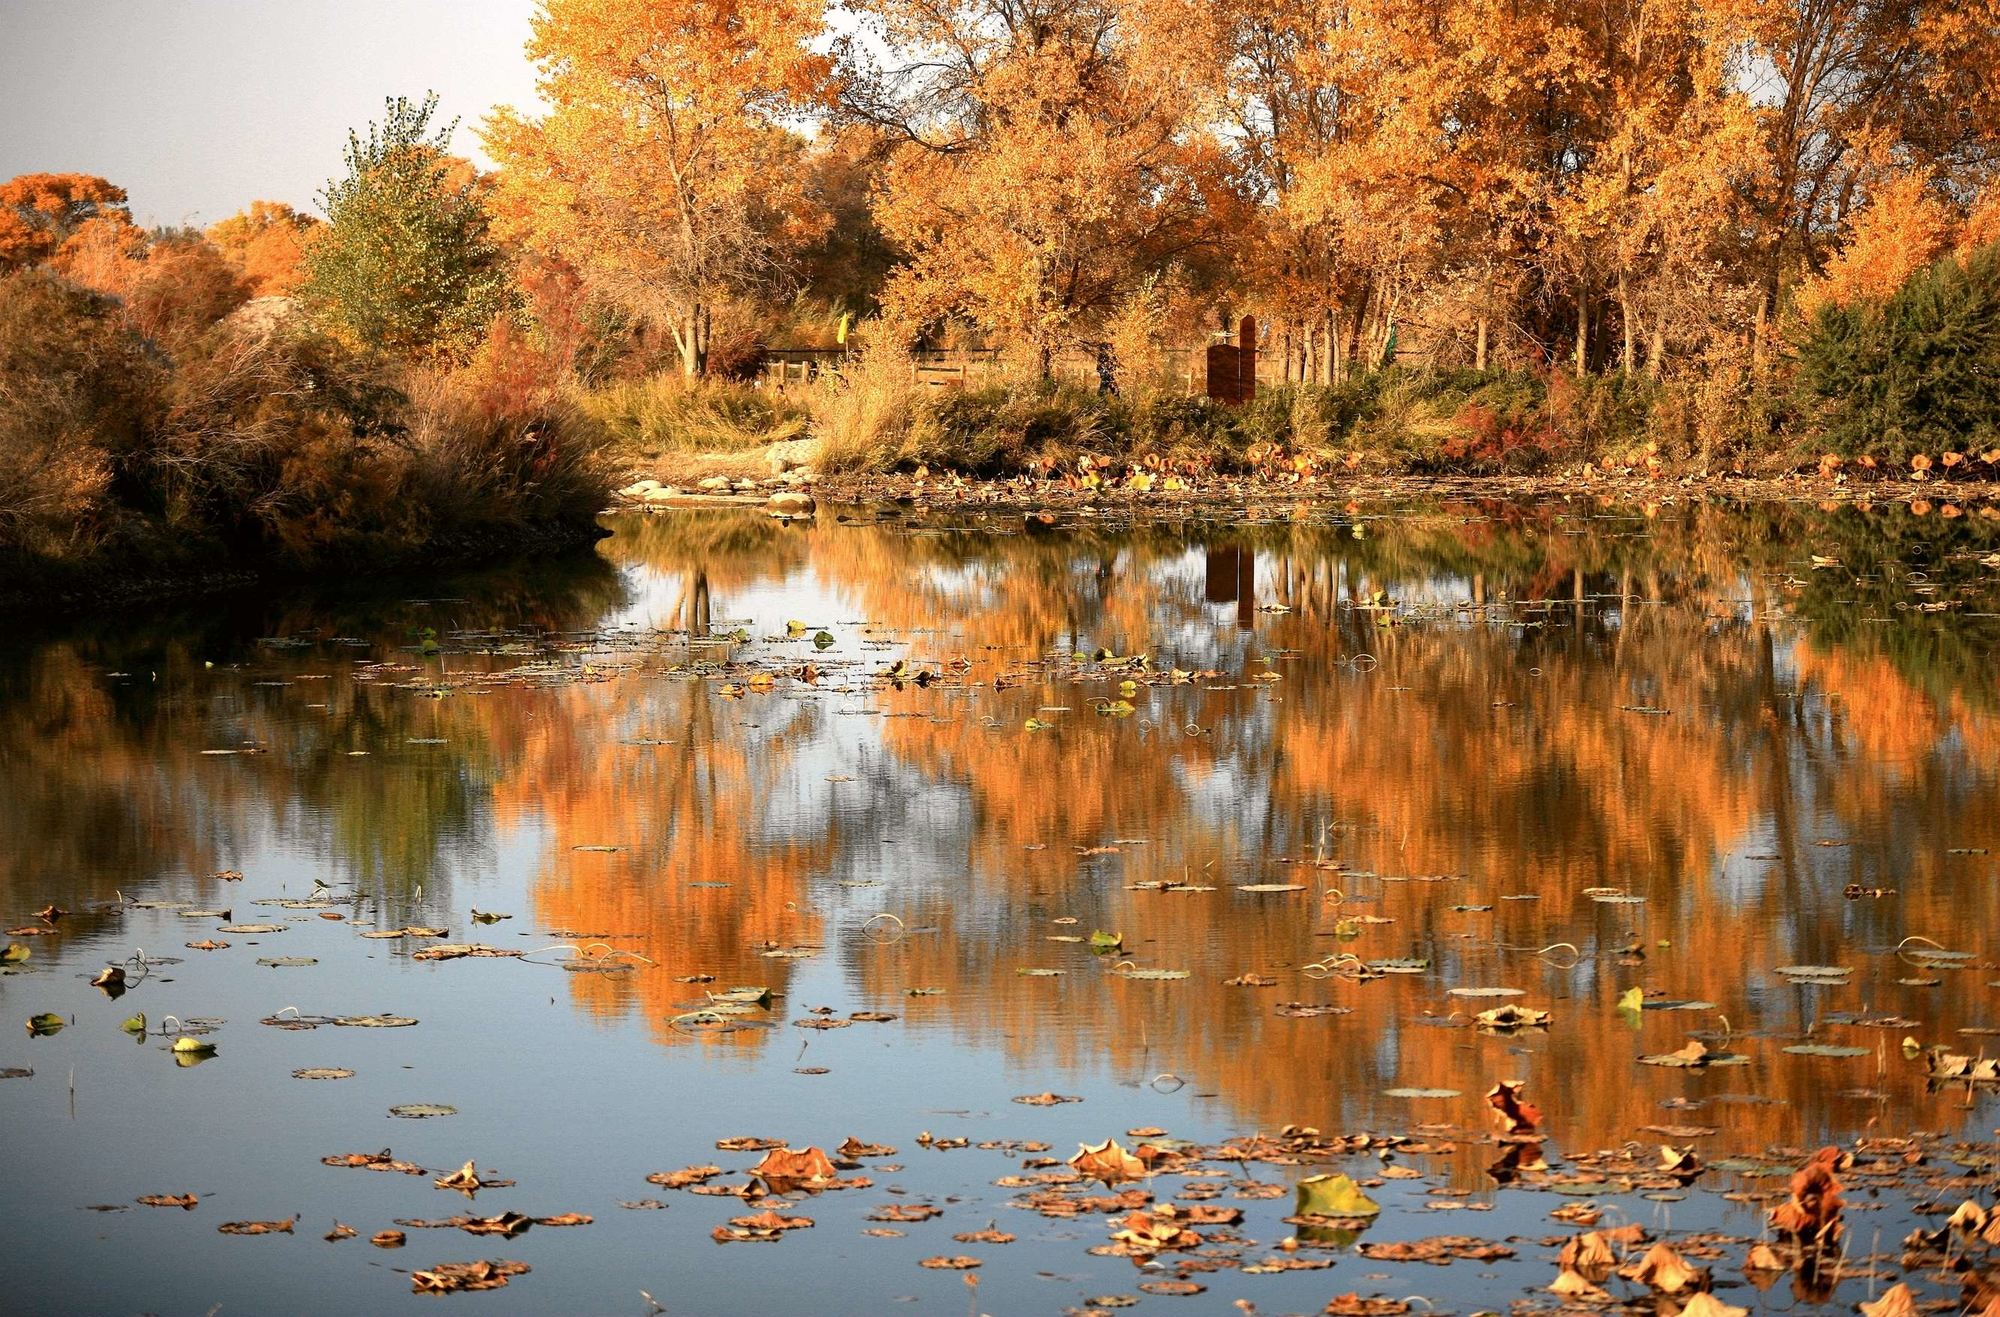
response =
{"points": [[199, 107]]}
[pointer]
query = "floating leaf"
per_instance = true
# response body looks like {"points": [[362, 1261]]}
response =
{"points": [[1334, 1196], [421, 1110]]}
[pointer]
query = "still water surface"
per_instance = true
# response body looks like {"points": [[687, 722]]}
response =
{"points": [[1561, 748]]}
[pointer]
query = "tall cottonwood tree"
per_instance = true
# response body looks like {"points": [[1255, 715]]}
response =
{"points": [[1053, 155], [664, 172]]}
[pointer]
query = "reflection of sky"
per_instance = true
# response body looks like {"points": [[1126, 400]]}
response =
{"points": [[577, 1099]]}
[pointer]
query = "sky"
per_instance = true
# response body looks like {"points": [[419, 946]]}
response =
{"points": [[199, 107]]}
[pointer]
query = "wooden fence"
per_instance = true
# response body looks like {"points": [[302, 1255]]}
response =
{"points": [[787, 369]]}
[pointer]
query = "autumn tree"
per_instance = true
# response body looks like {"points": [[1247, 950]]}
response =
{"points": [[1053, 155], [267, 242], [663, 172], [405, 263], [41, 212]]}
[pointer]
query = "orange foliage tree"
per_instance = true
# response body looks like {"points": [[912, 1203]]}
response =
{"points": [[1055, 154], [40, 212], [662, 171], [267, 242]]}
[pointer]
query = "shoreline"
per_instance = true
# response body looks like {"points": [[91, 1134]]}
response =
{"points": [[82, 589], [94, 587]]}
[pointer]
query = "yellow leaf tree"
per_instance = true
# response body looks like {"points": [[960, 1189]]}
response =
{"points": [[1053, 156], [663, 172]]}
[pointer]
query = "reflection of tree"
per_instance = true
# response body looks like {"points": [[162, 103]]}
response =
{"points": [[1566, 704], [1558, 697], [107, 783], [711, 873]]}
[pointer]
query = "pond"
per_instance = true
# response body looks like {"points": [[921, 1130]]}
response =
{"points": [[1219, 830]]}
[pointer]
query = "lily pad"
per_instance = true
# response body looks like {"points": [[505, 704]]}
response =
{"points": [[421, 1110], [287, 962], [323, 1072], [1825, 1049], [252, 928], [1420, 1092]]}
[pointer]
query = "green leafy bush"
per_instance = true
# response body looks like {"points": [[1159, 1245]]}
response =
{"points": [[1919, 373]]}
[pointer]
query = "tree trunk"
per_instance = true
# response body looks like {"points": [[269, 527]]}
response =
{"points": [[1479, 351], [1582, 331], [1656, 355], [1332, 350], [1629, 327]]}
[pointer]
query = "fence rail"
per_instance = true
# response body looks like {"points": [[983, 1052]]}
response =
{"points": [[965, 368]]}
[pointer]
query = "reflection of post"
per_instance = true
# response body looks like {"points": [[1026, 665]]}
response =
{"points": [[1220, 585], [1231, 578], [701, 615]]}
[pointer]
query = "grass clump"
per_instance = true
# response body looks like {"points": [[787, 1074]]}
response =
{"points": [[667, 414]]}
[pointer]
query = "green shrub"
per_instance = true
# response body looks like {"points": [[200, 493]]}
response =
{"points": [[1919, 373]]}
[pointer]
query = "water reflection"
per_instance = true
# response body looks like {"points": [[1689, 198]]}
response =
{"points": [[1454, 727]]}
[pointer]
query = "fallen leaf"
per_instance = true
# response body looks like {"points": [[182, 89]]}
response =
{"points": [[258, 1227], [453, 1277]]}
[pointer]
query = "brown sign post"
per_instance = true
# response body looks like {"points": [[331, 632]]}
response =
{"points": [[1232, 367]]}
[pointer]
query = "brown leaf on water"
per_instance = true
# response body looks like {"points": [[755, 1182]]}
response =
{"points": [[951, 1264], [454, 1277], [186, 1202], [1353, 1305], [1155, 1232], [340, 1232], [387, 1239], [1896, 1301], [1590, 1253], [1694, 1056], [506, 1225], [986, 1236], [466, 1180], [1179, 1288], [747, 1143], [852, 1148], [566, 1219], [770, 1220], [1107, 1162], [1575, 1285], [795, 1166], [1812, 1216], [1045, 1099], [209, 944], [258, 1227], [681, 1179], [905, 1212], [1440, 1249], [1707, 1305], [1666, 1271], [1514, 1115], [739, 1235], [1202, 1214], [461, 951], [1762, 1257], [372, 1161]]}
